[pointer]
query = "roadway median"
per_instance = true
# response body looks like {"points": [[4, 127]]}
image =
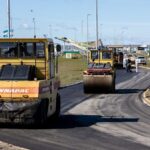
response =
{"points": [[146, 94]]}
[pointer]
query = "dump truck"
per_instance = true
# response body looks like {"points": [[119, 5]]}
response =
{"points": [[29, 80], [100, 74]]}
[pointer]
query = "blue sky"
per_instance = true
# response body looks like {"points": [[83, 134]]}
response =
{"points": [[120, 21]]}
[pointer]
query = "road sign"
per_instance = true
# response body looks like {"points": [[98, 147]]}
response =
{"points": [[6, 33]]}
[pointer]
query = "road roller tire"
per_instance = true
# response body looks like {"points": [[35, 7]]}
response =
{"points": [[40, 116], [56, 114], [113, 88], [85, 89]]}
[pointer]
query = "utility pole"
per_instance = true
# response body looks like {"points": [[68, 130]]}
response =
{"points": [[8, 9], [97, 24], [88, 30], [82, 32]]}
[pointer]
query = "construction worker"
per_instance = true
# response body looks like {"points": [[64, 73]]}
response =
{"points": [[128, 65]]}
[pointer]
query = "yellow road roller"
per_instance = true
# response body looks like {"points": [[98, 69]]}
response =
{"points": [[29, 80], [100, 74]]}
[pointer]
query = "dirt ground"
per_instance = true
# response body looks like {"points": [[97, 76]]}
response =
{"points": [[146, 96], [6, 146]]}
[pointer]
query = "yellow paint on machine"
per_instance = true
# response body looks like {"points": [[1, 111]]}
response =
{"points": [[5, 85], [19, 89]]}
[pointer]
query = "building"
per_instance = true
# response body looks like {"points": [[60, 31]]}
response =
{"points": [[72, 54]]}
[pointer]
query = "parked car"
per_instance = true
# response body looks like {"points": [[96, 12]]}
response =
{"points": [[141, 60]]}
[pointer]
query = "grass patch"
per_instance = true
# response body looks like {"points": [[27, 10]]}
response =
{"points": [[70, 70]]}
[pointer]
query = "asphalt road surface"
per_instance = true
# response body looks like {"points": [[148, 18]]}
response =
{"points": [[117, 121]]}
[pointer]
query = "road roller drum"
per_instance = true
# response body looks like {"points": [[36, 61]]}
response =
{"points": [[98, 83]]}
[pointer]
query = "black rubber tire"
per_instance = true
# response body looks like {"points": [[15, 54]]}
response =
{"points": [[113, 87], [40, 116], [86, 90], [56, 115]]}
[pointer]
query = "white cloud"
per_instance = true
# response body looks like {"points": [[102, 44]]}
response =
{"points": [[25, 25]]}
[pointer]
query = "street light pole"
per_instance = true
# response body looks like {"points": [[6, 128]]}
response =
{"points": [[8, 9], [88, 30], [82, 32], [34, 28], [97, 24], [34, 24]]}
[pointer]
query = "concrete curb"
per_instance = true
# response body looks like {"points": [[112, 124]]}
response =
{"points": [[73, 84], [146, 97], [144, 67], [146, 94]]}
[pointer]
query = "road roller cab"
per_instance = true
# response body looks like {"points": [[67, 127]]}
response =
{"points": [[100, 74], [29, 80]]}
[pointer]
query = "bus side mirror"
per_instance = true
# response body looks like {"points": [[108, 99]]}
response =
{"points": [[58, 48]]}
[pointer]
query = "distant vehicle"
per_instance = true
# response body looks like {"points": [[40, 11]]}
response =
{"points": [[141, 60], [141, 48]]}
